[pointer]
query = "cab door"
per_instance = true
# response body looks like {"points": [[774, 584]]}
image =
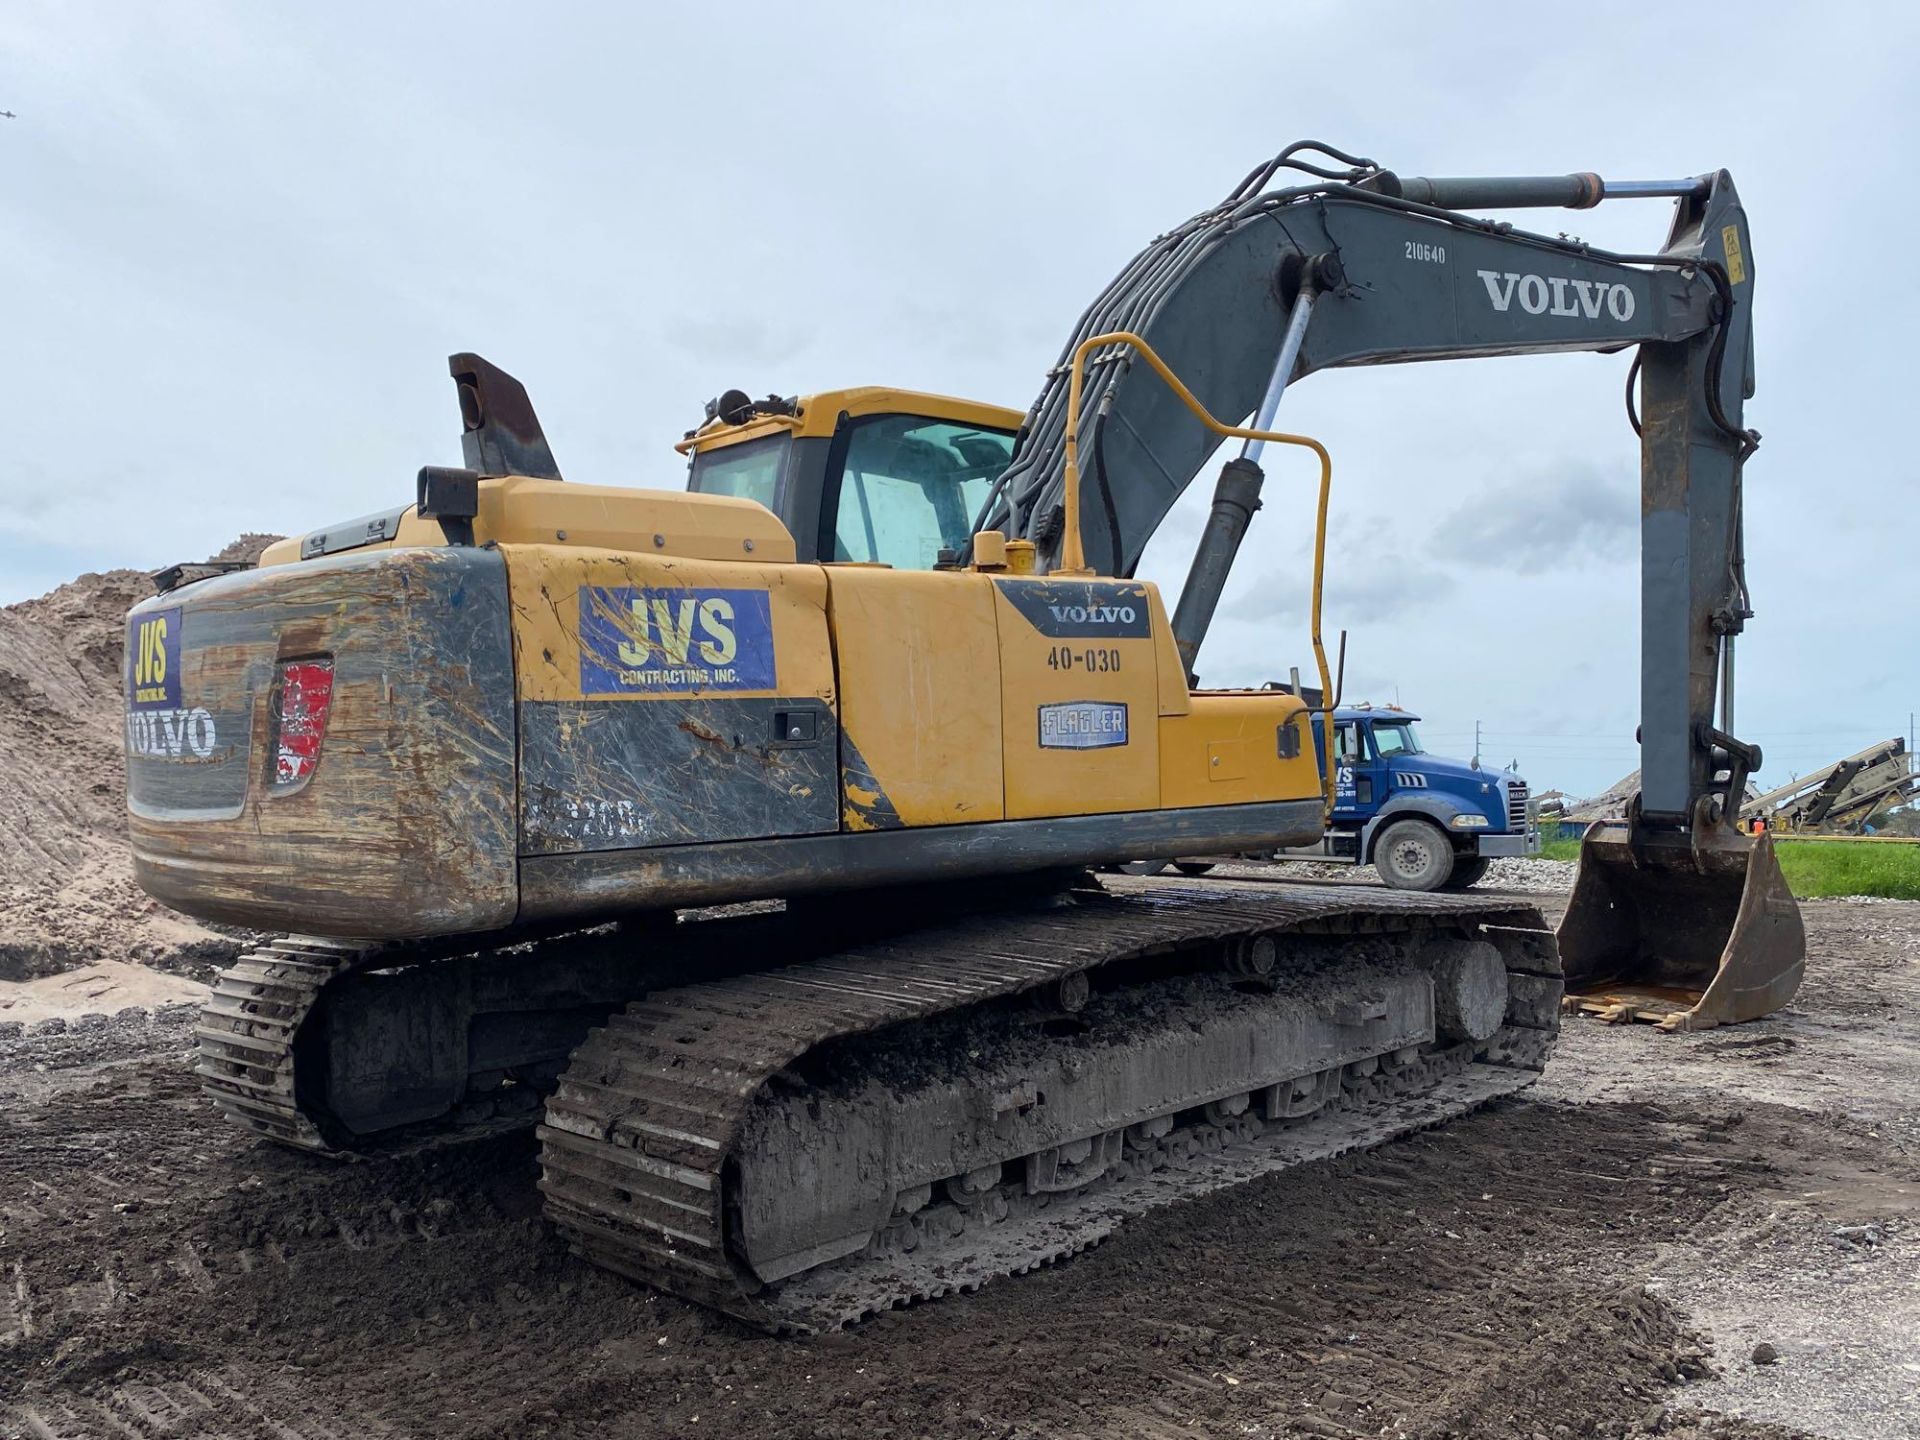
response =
{"points": [[1354, 773]]}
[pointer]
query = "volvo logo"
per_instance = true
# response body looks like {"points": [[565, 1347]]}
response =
{"points": [[1557, 295], [1093, 614]]}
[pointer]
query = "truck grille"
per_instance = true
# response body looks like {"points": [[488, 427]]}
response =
{"points": [[1517, 806]]}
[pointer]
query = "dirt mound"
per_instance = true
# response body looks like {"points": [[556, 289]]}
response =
{"points": [[67, 895], [248, 548]]}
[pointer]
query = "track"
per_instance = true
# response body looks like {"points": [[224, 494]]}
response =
{"points": [[269, 1046], [643, 1136], [245, 1039]]}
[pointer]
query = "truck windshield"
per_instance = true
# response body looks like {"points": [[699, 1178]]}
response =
{"points": [[1395, 738], [910, 488]]}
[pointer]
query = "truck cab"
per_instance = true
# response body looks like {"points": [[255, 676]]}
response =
{"points": [[1423, 821]]}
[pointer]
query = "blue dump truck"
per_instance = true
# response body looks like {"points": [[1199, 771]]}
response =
{"points": [[1422, 821]]}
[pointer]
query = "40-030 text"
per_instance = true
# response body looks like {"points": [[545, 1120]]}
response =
{"points": [[1095, 659]]}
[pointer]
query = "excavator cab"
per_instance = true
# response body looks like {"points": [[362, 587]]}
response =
{"points": [[870, 475]]}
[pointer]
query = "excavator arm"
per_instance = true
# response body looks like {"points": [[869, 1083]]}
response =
{"points": [[1363, 267]]}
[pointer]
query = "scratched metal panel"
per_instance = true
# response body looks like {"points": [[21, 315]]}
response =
{"points": [[631, 774], [406, 826], [611, 882]]}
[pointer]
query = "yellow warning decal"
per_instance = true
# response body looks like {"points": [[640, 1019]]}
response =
{"points": [[1736, 262]]}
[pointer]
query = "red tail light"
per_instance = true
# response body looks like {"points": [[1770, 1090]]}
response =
{"points": [[301, 699]]}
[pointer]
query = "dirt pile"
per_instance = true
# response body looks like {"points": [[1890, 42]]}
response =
{"points": [[67, 895], [247, 548]]}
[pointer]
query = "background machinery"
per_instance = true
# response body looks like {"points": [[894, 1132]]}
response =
{"points": [[1842, 798], [484, 756]]}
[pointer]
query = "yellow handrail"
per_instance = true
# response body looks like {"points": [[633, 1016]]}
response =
{"points": [[1073, 557]]}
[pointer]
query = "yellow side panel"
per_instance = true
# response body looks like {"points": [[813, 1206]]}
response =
{"points": [[1226, 751], [1174, 697], [665, 628], [519, 510], [919, 660], [668, 701], [1080, 696]]}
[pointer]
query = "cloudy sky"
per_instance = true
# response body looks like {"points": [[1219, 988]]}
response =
{"points": [[238, 242]]}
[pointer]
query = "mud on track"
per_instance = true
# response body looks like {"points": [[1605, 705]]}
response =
{"points": [[162, 1275]]}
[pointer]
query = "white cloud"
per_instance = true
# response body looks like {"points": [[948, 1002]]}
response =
{"points": [[1564, 517]]}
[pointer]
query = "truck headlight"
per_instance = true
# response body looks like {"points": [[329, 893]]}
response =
{"points": [[1468, 822]]}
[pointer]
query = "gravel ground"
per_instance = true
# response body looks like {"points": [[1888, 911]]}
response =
{"points": [[1598, 1257], [1544, 877], [1825, 1268]]}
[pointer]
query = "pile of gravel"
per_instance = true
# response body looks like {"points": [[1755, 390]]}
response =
{"points": [[1554, 877]]}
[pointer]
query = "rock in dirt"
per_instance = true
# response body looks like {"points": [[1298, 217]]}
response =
{"points": [[1764, 1354]]}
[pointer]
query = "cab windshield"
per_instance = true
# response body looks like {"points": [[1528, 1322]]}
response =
{"points": [[1395, 738], [910, 487]]}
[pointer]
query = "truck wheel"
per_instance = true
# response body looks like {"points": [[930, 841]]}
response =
{"points": [[1413, 855], [1468, 870]]}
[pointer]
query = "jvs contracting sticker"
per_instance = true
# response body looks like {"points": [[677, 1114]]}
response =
{"points": [[1083, 725], [668, 641], [153, 661], [158, 726]]}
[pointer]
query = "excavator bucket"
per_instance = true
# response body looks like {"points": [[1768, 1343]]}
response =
{"points": [[1686, 939]]}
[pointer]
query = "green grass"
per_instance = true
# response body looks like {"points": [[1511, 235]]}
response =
{"points": [[1816, 868]]}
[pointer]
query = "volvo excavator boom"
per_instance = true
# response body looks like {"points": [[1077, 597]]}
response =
{"points": [[1677, 917]]}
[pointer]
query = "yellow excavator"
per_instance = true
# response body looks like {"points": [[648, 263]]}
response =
{"points": [[739, 838]]}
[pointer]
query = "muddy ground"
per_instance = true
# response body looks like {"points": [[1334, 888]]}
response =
{"points": [[1601, 1257]]}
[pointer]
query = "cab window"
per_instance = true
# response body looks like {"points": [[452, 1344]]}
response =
{"points": [[910, 487], [750, 470], [1346, 744], [1395, 739]]}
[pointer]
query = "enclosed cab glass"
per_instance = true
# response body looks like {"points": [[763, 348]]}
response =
{"points": [[869, 476]]}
